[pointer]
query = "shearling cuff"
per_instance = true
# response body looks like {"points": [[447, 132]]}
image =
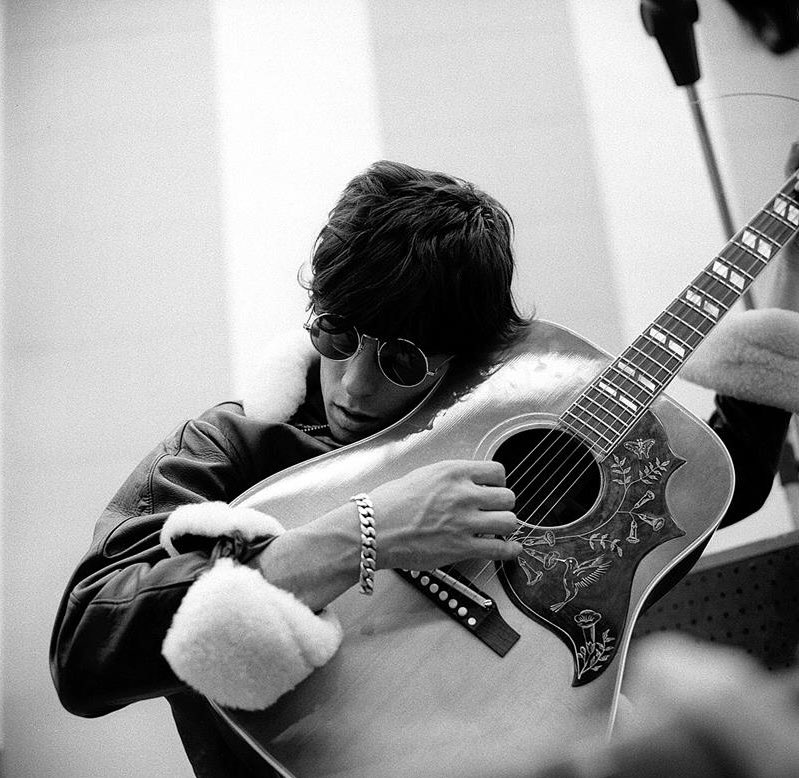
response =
{"points": [[243, 642], [236, 638], [753, 355], [214, 520]]}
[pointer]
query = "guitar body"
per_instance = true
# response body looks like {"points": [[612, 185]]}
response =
{"points": [[414, 692]]}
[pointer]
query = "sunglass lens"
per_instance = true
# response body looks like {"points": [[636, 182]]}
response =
{"points": [[333, 338], [403, 362]]}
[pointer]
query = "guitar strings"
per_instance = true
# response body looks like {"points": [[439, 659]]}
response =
{"points": [[738, 254]]}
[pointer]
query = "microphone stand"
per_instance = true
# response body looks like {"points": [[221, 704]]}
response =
{"points": [[671, 22]]}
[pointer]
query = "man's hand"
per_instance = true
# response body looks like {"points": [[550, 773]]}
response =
{"points": [[439, 514], [434, 515]]}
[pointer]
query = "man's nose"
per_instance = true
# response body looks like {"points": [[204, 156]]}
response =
{"points": [[362, 376]]}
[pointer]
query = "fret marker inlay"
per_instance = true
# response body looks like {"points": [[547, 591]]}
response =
{"points": [[658, 335], [677, 348], [607, 388], [647, 383]]}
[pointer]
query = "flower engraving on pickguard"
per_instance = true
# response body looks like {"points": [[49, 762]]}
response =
{"points": [[648, 473], [593, 653]]}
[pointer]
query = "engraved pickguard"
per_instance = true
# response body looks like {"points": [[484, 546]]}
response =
{"points": [[575, 579]]}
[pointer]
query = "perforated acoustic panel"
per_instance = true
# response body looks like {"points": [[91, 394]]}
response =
{"points": [[748, 598]]}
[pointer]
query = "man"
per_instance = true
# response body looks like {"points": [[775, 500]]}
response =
{"points": [[411, 276]]}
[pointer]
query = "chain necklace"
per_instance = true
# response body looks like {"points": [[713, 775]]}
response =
{"points": [[313, 428]]}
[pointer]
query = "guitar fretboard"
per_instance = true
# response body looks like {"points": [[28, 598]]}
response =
{"points": [[614, 401]]}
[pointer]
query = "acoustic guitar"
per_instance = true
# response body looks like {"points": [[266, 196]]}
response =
{"points": [[479, 669]]}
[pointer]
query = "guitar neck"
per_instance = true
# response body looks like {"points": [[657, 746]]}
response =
{"points": [[614, 401]]}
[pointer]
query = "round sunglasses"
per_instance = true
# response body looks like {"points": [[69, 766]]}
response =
{"points": [[401, 361]]}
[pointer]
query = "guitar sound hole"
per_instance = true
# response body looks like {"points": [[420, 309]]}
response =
{"points": [[554, 476]]}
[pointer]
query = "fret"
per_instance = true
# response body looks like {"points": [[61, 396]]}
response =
{"points": [[627, 406], [741, 260], [720, 295], [734, 269], [651, 359], [786, 209], [780, 216], [586, 431], [693, 330], [696, 299], [668, 343], [773, 241], [676, 343], [636, 374], [599, 419], [615, 395], [718, 276], [615, 400], [699, 321], [773, 224], [788, 195], [632, 385], [760, 248]]}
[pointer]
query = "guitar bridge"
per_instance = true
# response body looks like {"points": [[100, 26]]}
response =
{"points": [[456, 596]]}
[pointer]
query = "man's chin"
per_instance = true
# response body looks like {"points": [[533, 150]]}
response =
{"points": [[345, 432]]}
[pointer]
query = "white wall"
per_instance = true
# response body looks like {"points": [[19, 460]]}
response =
{"points": [[114, 323], [298, 118]]}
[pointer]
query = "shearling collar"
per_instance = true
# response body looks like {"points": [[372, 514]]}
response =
{"points": [[276, 388]]}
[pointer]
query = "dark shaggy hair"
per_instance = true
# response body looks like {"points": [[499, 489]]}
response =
{"points": [[421, 255]]}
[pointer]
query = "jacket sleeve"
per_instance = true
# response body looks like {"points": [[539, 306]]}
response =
{"points": [[105, 650], [753, 435]]}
